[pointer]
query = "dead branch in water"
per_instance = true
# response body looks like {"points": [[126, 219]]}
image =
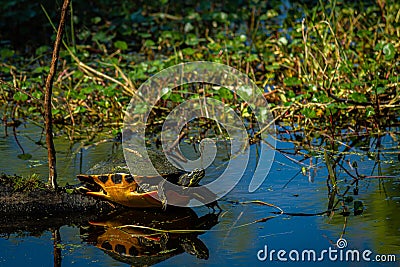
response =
{"points": [[51, 152]]}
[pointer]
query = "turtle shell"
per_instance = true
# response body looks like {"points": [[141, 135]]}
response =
{"points": [[116, 163], [111, 181]]}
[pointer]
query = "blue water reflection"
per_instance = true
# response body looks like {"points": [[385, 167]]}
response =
{"points": [[237, 238]]}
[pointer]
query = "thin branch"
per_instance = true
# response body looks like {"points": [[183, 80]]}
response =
{"points": [[51, 152]]}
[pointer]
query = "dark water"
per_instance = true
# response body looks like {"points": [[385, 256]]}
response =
{"points": [[237, 238]]}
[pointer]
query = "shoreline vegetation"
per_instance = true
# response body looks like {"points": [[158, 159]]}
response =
{"points": [[324, 69]]}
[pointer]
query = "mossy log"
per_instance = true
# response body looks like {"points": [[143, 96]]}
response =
{"points": [[29, 205]]}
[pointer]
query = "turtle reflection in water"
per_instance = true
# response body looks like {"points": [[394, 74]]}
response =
{"points": [[146, 237], [111, 181]]}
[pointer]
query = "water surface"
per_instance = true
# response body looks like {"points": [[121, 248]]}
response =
{"points": [[237, 238]]}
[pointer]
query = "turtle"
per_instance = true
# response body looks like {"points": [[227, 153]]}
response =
{"points": [[111, 180], [122, 188]]}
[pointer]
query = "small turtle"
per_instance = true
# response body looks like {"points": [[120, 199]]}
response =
{"points": [[111, 180], [123, 189]]}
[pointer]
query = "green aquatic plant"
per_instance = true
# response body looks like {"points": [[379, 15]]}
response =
{"points": [[324, 69], [22, 183]]}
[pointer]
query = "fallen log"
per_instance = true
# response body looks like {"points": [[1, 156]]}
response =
{"points": [[37, 207]]}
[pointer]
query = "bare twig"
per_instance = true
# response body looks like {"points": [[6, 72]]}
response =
{"points": [[51, 152]]}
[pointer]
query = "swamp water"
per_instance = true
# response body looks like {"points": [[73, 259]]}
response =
{"points": [[242, 234]]}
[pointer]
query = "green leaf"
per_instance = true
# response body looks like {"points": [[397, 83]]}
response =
{"points": [[41, 50], [144, 35], [19, 96], [32, 110], [378, 46], [191, 39], [225, 93], [87, 90], [115, 131], [246, 111], [102, 36], [290, 94], [331, 109], [149, 43], [274, 66], [389, 51], [95, 20], [37, 94], [80, 109], [122, 45], [251, 58], [214, 46], [358, 97], [270, 14], [41, 70], [69, 191], [175, 98], [109, 91], [5, 53], [380, 90], [370, 111], [364, 33], [292, 81], [309, 113], [188, 51]]}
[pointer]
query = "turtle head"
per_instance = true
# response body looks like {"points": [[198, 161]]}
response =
{"points": [[191, 178]]}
